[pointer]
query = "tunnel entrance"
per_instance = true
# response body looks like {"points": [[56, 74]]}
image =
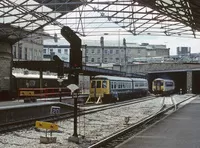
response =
{"points": [[180, 79], [196, 82]]}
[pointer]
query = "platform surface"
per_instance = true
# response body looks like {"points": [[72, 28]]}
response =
{"points": [[179, 130]]}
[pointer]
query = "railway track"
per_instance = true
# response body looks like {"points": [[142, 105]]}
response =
{"points": [[122, 135], [11, 126]]}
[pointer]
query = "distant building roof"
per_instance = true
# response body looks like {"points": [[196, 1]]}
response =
{"points": [[107, 43]]}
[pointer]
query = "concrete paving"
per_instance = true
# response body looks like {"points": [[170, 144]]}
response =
{"points": [[179, 130]]}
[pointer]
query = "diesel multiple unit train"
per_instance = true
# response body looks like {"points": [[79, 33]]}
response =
{"points": [[107, 89], [162, 86]]}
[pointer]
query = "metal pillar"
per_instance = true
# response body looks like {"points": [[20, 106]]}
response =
{"points": [[189, 81], [60, 91], [76, 75], [60, 80], [74, 80], [102, 46], [75, 115], [6, 70], [41, 78]]}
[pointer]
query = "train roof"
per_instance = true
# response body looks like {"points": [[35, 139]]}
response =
{"points": [[35, 76], [163, 79], [118, 78]]}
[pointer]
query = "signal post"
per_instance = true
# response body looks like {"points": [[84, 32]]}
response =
{"points": [[75, 64]]}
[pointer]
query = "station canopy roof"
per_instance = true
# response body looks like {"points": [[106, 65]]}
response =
{"points": [[21, 18]]}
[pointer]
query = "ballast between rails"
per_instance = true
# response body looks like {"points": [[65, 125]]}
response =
{"points": [[107, 141], [30, 122]]}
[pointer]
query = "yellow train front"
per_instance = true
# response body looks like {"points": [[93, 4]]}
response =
{"points": [[106, 89], [162, 86], [99, 89]]}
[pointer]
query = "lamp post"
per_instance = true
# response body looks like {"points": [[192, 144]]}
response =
{"points": [[119, 46], [102, 47], [60, 80]]}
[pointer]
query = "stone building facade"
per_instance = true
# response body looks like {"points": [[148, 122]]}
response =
{"points": [[28, 49], [60, 50], [123, 54]]}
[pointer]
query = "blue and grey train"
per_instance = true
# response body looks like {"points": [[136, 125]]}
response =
{"points": [[111, 88], [163, 87]]}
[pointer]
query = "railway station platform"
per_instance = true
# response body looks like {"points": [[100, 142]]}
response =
{"points": [[180, 129]]}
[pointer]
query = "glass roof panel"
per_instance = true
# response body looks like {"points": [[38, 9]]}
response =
{"points": [[95, 16]]}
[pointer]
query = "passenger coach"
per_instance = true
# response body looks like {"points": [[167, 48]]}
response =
{"points": [[111, 89]]}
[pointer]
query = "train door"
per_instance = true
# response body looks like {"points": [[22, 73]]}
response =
{"points": [[158, 85], [98, 89], [93, 88]]}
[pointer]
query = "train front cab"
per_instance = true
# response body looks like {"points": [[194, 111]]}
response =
{"points": [[158, 87], [99, 91]]}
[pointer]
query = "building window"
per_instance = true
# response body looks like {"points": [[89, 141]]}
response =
{"points": [[51, 51], [93, 51], [65, 51], [117, 51], [31, 53], [26, 54], [44, 50], [35, 57], [106, 52], [105, 60], [86, 50], [99, 60], [92, 60], [99, 51], [117, 59], [59, 50], [14, 52], [20, 53], [86, 58], [111, 51]]}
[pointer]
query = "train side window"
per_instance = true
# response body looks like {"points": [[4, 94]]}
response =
{"points": [[136, 84], [98, 84], [93, 84], [118, 85], [112, 86], [141, 84], [126, 85], [115, 85], [169, 84], [104, 84]]}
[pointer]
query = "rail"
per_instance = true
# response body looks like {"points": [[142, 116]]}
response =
{"points": [[114, 139]]}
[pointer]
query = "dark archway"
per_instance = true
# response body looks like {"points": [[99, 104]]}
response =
{"points": [[180, 79]]}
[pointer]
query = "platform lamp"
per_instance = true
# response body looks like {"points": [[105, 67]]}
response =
{"points": [[60, 80]]}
